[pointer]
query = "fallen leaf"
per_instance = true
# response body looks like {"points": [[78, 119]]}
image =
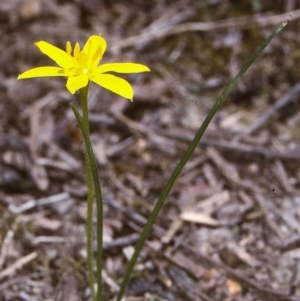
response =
{"points": [[199, 218]]}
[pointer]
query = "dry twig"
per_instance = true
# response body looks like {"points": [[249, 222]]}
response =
{"points": [[262, 20], [18, 264], [262, 288], [279, 104]]}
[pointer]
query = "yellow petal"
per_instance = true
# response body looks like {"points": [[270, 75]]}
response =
{"points": [[94, 49], [115, 84], [75, 83], [61, 57], [68, 47], [44, 72], [76, 50], [121, 68]]}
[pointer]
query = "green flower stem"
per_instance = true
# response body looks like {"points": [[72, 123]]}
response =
{"points": [[91, 176], [185, 158], [89, 185]]}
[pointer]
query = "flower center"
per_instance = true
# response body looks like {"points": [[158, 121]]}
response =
{"points": [[85, 71]]}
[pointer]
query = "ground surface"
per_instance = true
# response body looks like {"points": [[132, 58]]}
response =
{"points": [[230, 229]]}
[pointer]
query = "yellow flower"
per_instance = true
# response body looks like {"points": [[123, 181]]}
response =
{"points": [[81, 66]]}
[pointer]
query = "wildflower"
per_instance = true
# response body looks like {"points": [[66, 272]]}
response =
{"points": [[82, 66]]}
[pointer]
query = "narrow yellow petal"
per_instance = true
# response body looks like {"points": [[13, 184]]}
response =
{"points": [[61, 57], [82, 60], [94, 49], [121, 68], [44, 72], [115, 84], [68, 47], [76, 50], [75, 83]]}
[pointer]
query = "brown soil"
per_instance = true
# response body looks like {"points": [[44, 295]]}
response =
{"points": [[230, 229]]}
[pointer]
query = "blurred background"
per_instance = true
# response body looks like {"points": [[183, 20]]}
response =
{"points": [[230, 228]]}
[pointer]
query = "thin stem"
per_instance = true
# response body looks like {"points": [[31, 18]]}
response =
{"points": [[89, 185], [166, 190], [91, 167]]}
